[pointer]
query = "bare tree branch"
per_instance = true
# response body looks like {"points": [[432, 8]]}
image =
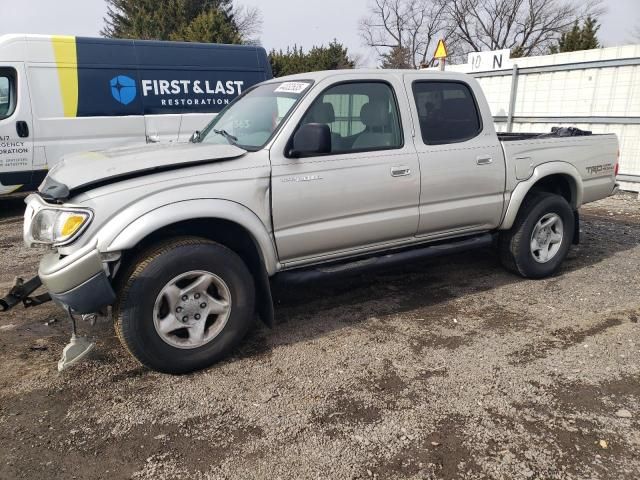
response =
{"points": [[526, 26], [249, 22], [409, 26]]}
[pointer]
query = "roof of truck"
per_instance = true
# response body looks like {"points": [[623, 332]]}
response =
{"points": [[378, 72]]}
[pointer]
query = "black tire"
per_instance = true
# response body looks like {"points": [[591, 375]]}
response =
{"points": [[141, 285], [515, 244]]}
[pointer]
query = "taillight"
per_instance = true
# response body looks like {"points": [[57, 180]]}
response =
{"points": [[617, 167]]}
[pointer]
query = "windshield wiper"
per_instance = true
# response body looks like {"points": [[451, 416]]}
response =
{"points": [[230, 138]]}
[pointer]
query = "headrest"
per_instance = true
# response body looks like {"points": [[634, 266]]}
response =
{"points": [[323, 113], [375, 114]]}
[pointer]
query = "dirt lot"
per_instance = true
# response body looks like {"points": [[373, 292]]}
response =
{"points": [[449, 368]]}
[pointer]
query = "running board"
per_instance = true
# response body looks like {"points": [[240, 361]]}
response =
{"points": [[373, 263]]}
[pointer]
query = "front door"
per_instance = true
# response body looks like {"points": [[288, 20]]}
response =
{"points": [[364, 193], [461, 160], [16, 131]]}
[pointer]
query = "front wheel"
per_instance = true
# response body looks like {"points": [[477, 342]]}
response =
{"points": [[540, 238], [184, 305]]}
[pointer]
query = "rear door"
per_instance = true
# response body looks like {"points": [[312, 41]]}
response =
{"points": [[16, 130], [461, 161], [364, 193]]}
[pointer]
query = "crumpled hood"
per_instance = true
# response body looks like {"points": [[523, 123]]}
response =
{"points": [[81, 170]]}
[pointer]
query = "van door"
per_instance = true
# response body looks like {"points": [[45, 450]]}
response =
{"points": [[16, 132]]}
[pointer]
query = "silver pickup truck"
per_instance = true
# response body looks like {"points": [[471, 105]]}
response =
{"points": [[303, 174]]}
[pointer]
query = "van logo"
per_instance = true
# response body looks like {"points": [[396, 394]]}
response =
{"points": [[123, 89]]}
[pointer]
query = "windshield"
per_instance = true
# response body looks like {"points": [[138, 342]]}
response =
{"points": [[250, 121]]}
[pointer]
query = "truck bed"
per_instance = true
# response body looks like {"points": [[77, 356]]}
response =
{"points": [[592, 157], [556, 132]]}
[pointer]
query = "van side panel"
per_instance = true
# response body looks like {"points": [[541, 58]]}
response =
{"points": [[194, 78], [64, 51], [107, 78], [97, 93], [73, 105]]}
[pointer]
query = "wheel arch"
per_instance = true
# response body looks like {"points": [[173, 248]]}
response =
{"points": [[560, 178], [225, 222]]}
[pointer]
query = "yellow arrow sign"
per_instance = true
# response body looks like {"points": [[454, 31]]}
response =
{"points": [[441, 50]]}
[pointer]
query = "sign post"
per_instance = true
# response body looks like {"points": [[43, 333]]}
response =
{"points": [[441, 53]]}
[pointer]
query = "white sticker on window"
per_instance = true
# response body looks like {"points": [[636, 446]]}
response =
{"points": [[291, 87]]}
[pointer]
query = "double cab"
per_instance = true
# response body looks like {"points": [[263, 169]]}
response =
{"points": [[301, 174]]}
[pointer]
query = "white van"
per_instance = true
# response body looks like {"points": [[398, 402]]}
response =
{"points": [[61, 94]]}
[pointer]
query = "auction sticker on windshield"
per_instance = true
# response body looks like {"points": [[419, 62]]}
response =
{"points": [[292, 87]]}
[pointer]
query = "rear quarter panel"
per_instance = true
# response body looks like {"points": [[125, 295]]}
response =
{"points": [[592, 157]]}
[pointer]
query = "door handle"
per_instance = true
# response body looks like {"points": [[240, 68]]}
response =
{"points": [[400, 171], [484, 160], [22, 128]]}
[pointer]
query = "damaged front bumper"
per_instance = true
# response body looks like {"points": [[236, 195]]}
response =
{"points": [[79, 281]]}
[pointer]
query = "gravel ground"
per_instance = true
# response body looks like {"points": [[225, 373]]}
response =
{"points": [[448, 368]]}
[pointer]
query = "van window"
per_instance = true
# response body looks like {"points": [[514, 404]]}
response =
{"points": [[361, 115], [7, 92], [447, 112]]}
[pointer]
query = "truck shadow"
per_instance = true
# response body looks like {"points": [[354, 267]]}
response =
{"points": [[306, 310]]}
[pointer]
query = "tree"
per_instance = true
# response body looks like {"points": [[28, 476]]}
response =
{"points": [[578, 38], [295, 60], [210, 26], [397, 57], [396, 27], [527, 27], [188, 20]]}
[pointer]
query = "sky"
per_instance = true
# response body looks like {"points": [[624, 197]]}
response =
{"points": [[286, 22]]}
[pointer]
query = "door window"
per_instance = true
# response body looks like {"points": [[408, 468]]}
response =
{"points": [[447, 112], [362, 116], [7, 94]]}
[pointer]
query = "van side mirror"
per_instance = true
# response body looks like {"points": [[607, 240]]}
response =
{"points": [[195, 137], [311, 139]]}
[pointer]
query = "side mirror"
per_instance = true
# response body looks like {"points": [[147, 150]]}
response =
{"points": [[310, 139], [195, 137]]}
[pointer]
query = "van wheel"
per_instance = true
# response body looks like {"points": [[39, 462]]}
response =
{"points": [[184, 305], [540, 238]]}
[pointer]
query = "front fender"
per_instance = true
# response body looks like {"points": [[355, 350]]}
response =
{"points": [[541, 171], [117, 237]]}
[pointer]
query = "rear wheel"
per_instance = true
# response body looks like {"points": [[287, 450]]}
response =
{"points": [[540, 238], [184, 305]]}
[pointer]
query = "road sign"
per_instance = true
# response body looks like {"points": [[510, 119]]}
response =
{"points": [[487, 61], [441, 50]]}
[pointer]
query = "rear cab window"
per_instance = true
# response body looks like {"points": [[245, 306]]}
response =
{"points": [[361, 115], [7, 92], [447, 112]]}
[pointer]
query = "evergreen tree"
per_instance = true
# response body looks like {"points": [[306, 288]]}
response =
{"points": [[578, 38], [397, 57], [295, 60], [210, 26], [187, 20]]}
